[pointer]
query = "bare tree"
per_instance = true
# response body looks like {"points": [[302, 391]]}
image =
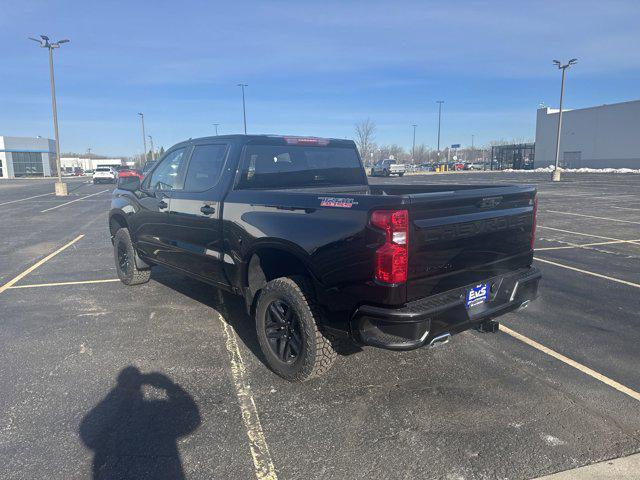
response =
{"points": [[365, 136]]}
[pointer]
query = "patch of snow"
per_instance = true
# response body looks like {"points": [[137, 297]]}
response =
{"points": [[551, 168]]}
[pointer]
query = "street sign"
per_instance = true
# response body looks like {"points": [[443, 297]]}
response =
{"points": [[455, 145]]}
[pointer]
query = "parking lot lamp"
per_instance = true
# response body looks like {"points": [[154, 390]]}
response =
{"points": [[144, 139], [244, 110], [557, 63], [439, 102], [216, 125], [60, 188], [413, 148]]}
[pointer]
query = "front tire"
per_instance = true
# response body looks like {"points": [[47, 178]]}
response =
{"points": [[125, 257], [401, 174], [287, 324]]}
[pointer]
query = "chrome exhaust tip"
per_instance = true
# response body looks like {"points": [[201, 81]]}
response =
{"points": [[440, 340]]}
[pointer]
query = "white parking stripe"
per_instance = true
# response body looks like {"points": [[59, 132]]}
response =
{"points": [[587, 234], [27, 198], [626, 208], [73, 201], [584, 245], [59, 284], [16, 279], [584, 369], [262, 462], [591, 216], [587, 272]]}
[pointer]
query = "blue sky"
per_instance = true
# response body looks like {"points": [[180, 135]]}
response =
{"points": [[313, 68]]}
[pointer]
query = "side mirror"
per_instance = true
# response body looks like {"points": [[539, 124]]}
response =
{"points": [[131, 184]]}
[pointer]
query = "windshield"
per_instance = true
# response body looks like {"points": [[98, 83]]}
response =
{"points": [[288, 166]]}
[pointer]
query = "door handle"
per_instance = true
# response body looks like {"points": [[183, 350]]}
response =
{"points": [[162, 204], [208, 210]]}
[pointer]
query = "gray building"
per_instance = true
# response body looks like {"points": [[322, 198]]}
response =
{"points": [[607, 136], [27, 157]]}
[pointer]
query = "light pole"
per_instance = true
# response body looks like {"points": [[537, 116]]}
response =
{"points": [[60, 188], [473, 150], [144, 139], [244, 110], [439, 102], [216, 125], [153, 150], [557, 63], [413, 148]]}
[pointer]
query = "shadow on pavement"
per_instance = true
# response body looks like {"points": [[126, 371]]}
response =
{"points": [[232, 309], [133, 435]]}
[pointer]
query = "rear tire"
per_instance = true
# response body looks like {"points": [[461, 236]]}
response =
{"points": [[125, 257], [401, 174], [287, 324]]}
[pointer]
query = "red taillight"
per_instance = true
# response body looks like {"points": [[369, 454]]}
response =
{"points": [[535, 220], [392, 258]]}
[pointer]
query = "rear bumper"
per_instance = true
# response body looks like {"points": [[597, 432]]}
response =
{"points": [[417, 323]]}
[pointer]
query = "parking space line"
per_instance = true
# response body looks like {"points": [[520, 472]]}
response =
{"points": [[587, 272], [588, 234], [584, 369], [591, 216], [262, 462], [59, 284], [27, 198], [73, 201], [16, 279], [585, 245], [612, 206]]}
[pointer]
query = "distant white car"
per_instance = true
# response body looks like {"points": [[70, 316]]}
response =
{"points": [[388, 167], [104, 175]]}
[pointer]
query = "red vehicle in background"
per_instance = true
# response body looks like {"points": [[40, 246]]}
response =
{"points": [[130, 172]]}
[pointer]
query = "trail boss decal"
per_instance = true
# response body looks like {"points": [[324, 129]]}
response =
{"points": [[339, 202]]}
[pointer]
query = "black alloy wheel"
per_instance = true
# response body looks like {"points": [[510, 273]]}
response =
{"points": [[282, 329], [124, 261]]}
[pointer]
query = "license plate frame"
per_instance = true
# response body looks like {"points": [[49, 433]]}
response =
{"points": [[477, 295]]}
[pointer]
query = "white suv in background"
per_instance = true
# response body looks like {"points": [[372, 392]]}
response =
{"points": [[104, 174], [388, 167]]}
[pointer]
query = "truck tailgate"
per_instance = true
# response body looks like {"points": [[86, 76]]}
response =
{"points": [[461, 237]]}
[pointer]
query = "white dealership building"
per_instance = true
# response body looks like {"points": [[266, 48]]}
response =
{"points": [[606, 136], [27, 157]]}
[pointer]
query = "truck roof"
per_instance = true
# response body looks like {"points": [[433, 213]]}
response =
{"points": [[275, 139]]}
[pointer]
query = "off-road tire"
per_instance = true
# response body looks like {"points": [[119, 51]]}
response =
{"points": [[317, 354], [128, 272]]}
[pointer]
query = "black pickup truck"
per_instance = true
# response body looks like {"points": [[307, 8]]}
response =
{"points": [[319, 255]]}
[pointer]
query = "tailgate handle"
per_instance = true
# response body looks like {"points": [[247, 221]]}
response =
{"points": [[208, 210]]}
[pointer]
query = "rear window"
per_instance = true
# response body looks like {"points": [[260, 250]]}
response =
{"points": [[103, 169], [291, 166]]}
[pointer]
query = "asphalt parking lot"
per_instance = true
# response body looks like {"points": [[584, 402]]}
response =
{"points": [[164, 380]]}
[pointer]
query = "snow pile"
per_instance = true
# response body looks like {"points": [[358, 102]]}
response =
{"points": [[551, 168]]}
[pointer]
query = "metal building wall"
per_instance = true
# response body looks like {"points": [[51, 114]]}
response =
{"points": [[607, 136]]}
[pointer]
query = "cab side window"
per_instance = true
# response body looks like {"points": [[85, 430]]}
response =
{"points": [[205, 167], [167, 175]]}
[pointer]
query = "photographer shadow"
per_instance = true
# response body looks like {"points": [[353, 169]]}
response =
{"points": [[135, 437]]}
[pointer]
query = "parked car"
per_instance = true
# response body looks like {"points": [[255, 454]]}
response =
{"points": [[104, 174], [388, 167], [129, 172], [319, 255], [78, 172], [474, 166]]}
